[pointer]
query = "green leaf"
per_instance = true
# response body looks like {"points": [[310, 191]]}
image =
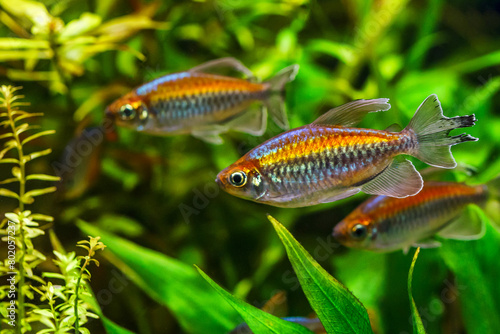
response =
{"points": [[22, 43], [43, 177], [112, 328], [336, 307], [8, 193], [37, 154], [171, 283], [28, 197], [258, 320], [10, 180], [475, 266], [80, 26], [418, 326], [37, 135]]}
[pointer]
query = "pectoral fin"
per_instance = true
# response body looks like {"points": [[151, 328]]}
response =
{"points": [[399, 179], [467, 226], [210, 134]]}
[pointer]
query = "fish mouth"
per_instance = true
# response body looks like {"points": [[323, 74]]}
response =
{"points": [[337, 233]]}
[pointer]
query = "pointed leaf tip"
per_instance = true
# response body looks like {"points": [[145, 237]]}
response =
{"points": [[337, 308], [418, 326], [258, 320]]}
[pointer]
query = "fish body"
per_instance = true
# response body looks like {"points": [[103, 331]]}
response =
{"points": [[329, 160], [203, 104], [385, 223]]}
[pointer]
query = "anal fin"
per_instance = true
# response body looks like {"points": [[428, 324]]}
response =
{"points": [[210, 134], [341, 195], [467, 226], [399, 179]]}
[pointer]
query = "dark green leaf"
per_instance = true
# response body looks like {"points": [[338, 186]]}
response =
{"points": [[112, 328], [336, 307], [172, 283], [258, 320], [475, 265]]}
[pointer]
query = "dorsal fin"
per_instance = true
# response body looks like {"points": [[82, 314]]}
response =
{"points": [[229, 63], [353, 112], [394, 127]]}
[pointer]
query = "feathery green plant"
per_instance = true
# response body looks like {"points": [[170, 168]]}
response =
{"points": [[66, 309]]}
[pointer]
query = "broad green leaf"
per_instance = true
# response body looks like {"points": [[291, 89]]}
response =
{"points": [[112, 328], [171, 283], [418, 326], [259, 321], [476, 268], [336, 307]]}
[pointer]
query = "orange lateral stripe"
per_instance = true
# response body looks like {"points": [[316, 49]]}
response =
{"points": [[192, 86], [297, 147], [429, 193]]}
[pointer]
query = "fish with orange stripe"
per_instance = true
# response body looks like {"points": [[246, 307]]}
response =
{"points": [[384, 223], [204, 104], [329, 159]]}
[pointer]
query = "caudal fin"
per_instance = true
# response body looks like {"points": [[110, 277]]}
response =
{"points": [[432, 128], [274, 103]]}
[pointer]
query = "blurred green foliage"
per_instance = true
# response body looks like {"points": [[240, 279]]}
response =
{"points": [[75, 57]]}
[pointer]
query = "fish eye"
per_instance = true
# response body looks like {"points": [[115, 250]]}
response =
{"points": [[359, 231], [127, 112], [238, 179]]}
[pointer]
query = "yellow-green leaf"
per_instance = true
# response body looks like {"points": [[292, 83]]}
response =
{"points": [[37, 135], [28, 197], [418, 326], [16, 172], [87, 22], [8, 193], [39, 216], [38, 154], [9, 161], [10, 180], [43, 177], [22, 43]]}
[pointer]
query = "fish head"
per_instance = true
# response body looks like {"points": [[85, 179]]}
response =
{"points": [[242, 179], [356, 231], [129, 111]]}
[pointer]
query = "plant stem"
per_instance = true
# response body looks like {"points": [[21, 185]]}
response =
{"points": [[22, 189], [77, 288]]}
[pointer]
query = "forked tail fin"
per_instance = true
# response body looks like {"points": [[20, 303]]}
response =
{"points": [[274, 103], [432, 128]]}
